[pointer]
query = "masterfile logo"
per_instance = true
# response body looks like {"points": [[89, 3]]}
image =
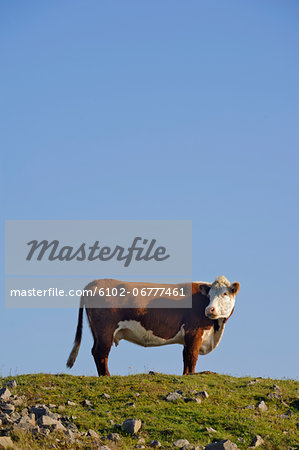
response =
{"points": [[98, 248], [43, 257], [145, 250]]}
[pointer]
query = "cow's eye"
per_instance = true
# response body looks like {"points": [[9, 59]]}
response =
{"points": [[224, 293]]}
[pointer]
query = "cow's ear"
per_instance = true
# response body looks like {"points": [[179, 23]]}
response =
{"points": [[204, 289], [235, 287]]}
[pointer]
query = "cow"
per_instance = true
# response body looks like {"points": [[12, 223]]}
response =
{"points": [[199, 327]]}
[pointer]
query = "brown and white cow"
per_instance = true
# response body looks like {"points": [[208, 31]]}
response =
{"points": [[198, 328]]}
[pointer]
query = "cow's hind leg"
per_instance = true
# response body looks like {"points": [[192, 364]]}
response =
{"points": [[100, 351]]}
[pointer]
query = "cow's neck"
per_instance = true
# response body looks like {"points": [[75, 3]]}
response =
{"points": [[212, 337]]}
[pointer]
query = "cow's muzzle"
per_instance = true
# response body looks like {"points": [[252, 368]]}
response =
{"points": [[210, 312]]}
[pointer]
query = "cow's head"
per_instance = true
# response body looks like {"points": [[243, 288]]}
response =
{"points": [[222, 295]]}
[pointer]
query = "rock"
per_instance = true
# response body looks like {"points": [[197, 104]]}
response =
{"points": [[192, 399], [40, 410], [112, 422], [179, 391], [107, 396], [71, 426], [47, 421], [262, 406], [6, 442], [249, 407], [11, 384], [45, 431], [70, 435], [104, 447], [152, 373], [35, 430], [203, 394], [115, 437], [257, 441], [131, 426], [86, 403], [173, 396], [15, 416], [5, 394], [6, 419], [276, 387], [222, 445], [18, 401], [181, 443], [132, 404], [26, 422], [139, 446], [211, 430], [70, 403], [7, 408], [141, 441], [154, 443], [137, 394], [61, 408], [93, 434], [57, 426], [274, 395]]}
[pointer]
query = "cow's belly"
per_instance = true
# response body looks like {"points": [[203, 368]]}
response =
{"points": [[133, 331], [211, 338]]}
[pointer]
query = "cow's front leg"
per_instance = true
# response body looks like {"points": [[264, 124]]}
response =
{"points": [[191, 350]]}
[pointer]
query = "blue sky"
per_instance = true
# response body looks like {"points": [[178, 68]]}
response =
{"points": [[159, 110]]}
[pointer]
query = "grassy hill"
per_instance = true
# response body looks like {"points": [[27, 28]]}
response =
{"points": [[230, 409]]}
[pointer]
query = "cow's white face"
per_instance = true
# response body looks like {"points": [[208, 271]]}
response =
{"points": [[222, 297]]}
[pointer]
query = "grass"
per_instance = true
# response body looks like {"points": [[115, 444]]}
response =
{"points": [[223, 410]]}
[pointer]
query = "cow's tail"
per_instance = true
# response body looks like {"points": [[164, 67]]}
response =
{"points": [[77, 342]]}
